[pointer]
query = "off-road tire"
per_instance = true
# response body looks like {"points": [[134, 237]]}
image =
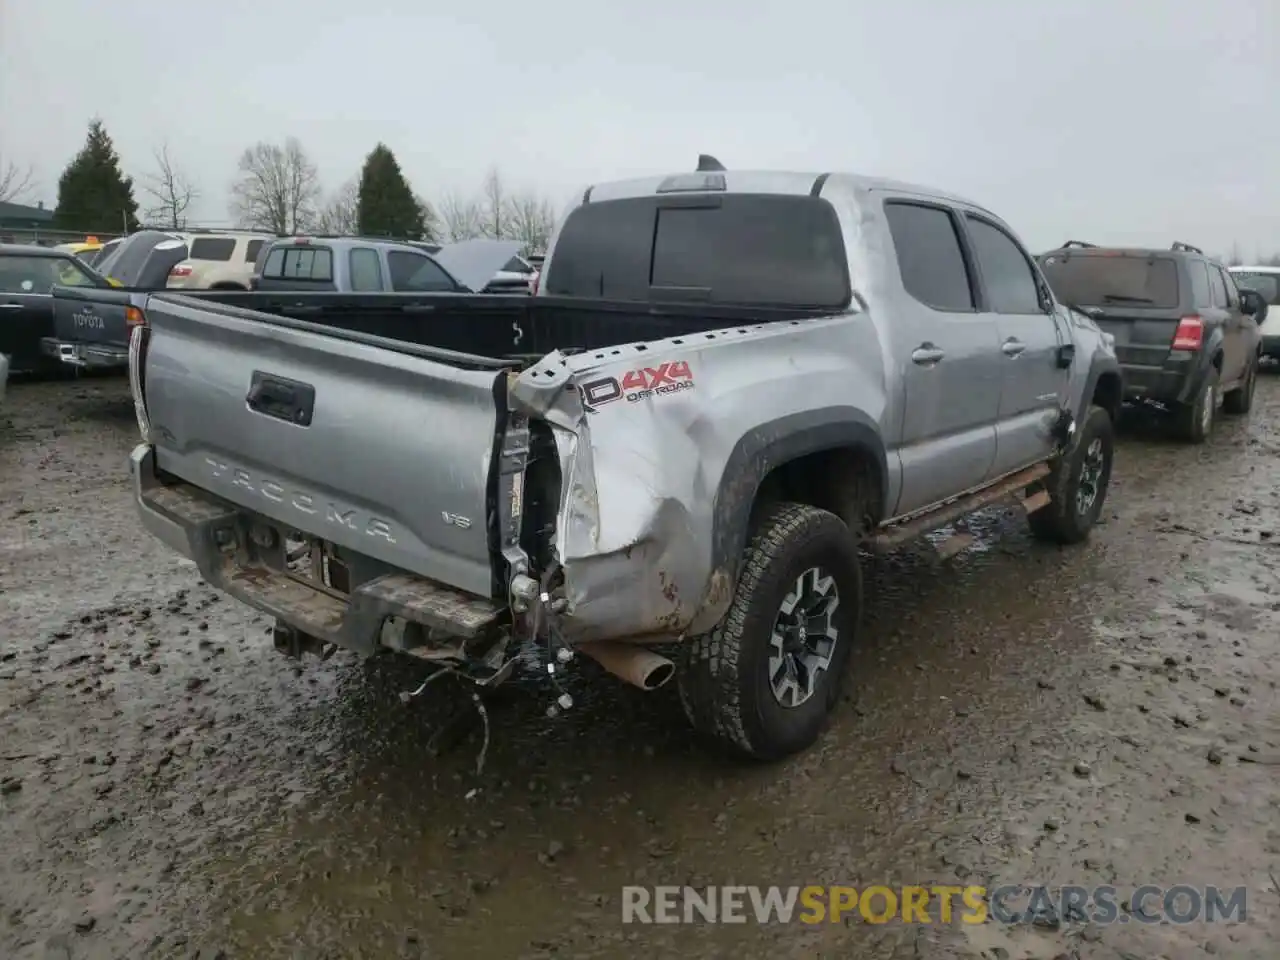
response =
{"points": [[1240, 400], [1190, 421], [723, 675], [1061, 521]]}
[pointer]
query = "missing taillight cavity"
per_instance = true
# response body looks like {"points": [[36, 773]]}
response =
{"points": [[1189, 335], [137, 380]]}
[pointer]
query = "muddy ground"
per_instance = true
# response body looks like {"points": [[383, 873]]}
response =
{"points": [[170, 786]]}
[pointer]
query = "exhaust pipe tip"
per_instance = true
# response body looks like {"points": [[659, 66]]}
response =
{"points": [[659, 675], [638, 666]]}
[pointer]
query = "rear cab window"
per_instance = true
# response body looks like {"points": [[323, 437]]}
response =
{"points": [[725, 248], [212, 248], [1111, 280]]}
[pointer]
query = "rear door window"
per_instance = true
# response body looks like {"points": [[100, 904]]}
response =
{"points": [[748, 249], [930, 259], [1110, 280], [1217, 289], [1233, 295], [213, 248], [1199, 273], [1007, 275], [366, 271]]}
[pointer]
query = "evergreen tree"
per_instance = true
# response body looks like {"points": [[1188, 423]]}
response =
{"points": [[94, 195], [387, 206]]}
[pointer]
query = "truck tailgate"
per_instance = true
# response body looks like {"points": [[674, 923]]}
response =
{"points": [[91, 314], [383, 452]]}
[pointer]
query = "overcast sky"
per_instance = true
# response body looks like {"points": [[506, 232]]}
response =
{"points": [[1113, 120]]}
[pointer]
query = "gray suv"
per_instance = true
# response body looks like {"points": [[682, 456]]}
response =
{"points": [[1185, 334]]}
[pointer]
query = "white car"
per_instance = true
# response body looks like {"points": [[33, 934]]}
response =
{"points": [[1266, 281]]}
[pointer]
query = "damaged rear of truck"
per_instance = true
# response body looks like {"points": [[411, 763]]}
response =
{"points": [[683, 437]]}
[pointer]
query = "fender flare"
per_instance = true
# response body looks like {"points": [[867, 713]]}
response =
{"points": [[1203, 363], [770, 445], [1099, 366]]}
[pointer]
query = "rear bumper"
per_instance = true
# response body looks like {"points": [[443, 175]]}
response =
{"points": [[217, 536], [1161, 384], [91, 355]]}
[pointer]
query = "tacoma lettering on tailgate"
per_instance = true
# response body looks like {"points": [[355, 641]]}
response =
{"points": [[306, 503]]}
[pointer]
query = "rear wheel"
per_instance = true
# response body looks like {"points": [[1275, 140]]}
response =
{"points": [[1240, 400], [1194, 421], [1078, 484], [762, 684]]}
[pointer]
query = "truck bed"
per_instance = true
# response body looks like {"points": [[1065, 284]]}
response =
{"points": [[496, 327], [376, 423]]}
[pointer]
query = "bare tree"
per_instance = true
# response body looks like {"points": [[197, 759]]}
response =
{"points": [[430, 220], [530, 219], [1235, 258], [14, 180], [460, 218], [493, 207], [170, 191], [340, 214], [277, 188]]}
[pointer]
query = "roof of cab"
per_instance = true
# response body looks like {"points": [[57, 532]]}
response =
{"points": [[1245, 268], [797, 183]]}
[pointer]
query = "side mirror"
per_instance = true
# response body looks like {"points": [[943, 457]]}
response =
{"points": [[1251, 302]]}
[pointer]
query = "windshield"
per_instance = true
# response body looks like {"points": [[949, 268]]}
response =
{"points": [[747, 249], [1107, 280], [1267, 284]]}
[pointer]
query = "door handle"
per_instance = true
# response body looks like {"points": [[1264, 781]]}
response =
{"points": [[1012, 347], [926, 355], [10, 306]]}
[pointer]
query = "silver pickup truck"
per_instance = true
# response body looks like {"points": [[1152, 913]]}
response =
{"points": [[728, 384]]}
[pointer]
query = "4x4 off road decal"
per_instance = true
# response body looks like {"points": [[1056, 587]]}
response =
{"points": [[639, 384]]}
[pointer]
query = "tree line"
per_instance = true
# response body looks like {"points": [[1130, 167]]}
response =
{"points": [[277, 188]]}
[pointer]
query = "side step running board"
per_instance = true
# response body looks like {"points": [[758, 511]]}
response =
{"points": [[892, 537]]}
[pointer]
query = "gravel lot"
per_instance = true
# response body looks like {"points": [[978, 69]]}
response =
{"points": [[170, 786]]}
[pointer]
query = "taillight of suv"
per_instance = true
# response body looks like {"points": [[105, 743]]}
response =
{"points": [[179, 275], [1190, 333]]}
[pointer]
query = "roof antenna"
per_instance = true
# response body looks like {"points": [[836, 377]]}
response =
{"points": [[707, 162]]}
